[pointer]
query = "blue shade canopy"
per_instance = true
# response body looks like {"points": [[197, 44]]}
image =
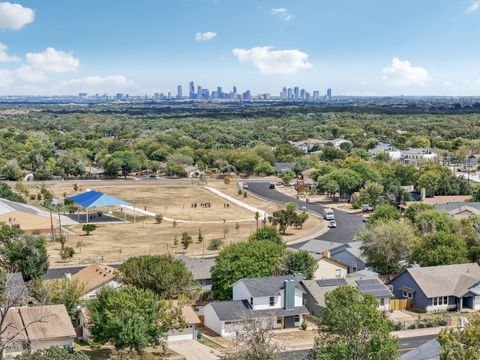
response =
{"points": [[92, 199]]}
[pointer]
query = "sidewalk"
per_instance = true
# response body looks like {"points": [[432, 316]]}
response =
{"points": [[404, 334]]}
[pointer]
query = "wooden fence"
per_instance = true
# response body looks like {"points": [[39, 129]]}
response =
{"points": [[400, 304]]}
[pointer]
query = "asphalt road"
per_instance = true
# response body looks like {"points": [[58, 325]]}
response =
{"points": [[347, 224], [406, 345]]}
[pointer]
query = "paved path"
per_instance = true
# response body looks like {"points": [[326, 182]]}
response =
{"points": [[263, 214], [193, 350], [347, 224]]}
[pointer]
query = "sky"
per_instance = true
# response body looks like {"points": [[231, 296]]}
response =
{"points": [[355, 47]]}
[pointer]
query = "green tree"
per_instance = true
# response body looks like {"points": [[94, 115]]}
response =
{"points": [[300, 262], [386, 243], [186, 240], [461, 344], [385, 212], [440, 248], [353, 328], [63, 291], [88, 228], [166, 276], [416, 208], [124, 161], [26, 254], [287, 176], [285, 217], [329, 153], [371, 194], [269, 233], [244, 260], [131, 318]]}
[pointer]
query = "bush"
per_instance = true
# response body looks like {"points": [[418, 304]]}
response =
{"points": [[67, 253], [413, 326], [443, 322], [421, 325], [158, 218], [397, 326], [88, 228], [303, 325], [215, 244]]}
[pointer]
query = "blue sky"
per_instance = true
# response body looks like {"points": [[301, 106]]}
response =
{"points": [[368, 47]]}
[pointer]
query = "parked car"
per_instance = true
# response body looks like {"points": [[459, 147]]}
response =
{"points": [[366, 207], [271, 186], [328, 214], [332, 224]]}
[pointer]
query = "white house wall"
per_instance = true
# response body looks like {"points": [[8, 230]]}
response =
{"points": [[240, 292], [211, 320]]}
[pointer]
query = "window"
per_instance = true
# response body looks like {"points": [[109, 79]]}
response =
{"points": [[251, 301], [338, 273], [272, 301], [279, 320], [382, 302], [297, 318], [407, 294], [440, 301]]}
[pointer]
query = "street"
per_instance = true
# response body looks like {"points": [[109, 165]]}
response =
{"points": [[347, 224]]}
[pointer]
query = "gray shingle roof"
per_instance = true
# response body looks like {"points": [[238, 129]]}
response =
{"points": [[446, 279], [269, 286], [284, 166], [241, 310], [457, 205], [431, 350], [201, 269]]}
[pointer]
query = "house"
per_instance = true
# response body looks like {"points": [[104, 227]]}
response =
{"points": [[36, 328], [438, 288], [189, 332], [308, 145], [282, 167], [329, 268], [430, 350], [416, 156], [68, 271], [201, 269], [316, 290], [460, 210], [193, 171], [16, 292], [385, 148], [437, 200], [276, 302], [94, 277], [349, 253]]}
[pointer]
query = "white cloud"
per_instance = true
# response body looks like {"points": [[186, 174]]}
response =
{"points": [[474, 7], [15, 16], [4, 57], [206, 36], [97, 84], [53, 61], [282, 14], [283, 62], [402, 73]]}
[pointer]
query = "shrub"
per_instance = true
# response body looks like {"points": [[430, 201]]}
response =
{"points": [[159, 218], [88, 228], [303, 325], [215, 244], [413, 326]]}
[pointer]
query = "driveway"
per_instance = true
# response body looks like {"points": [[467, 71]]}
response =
{"points": [[347, 224], [193, 350]]}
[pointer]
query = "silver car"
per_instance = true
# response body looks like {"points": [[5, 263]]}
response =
{"points": [[332, 224]]}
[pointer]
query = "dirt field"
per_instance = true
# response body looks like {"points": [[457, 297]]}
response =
{"points": [[116, 242]]}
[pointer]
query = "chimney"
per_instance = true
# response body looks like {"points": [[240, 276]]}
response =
{"points": [[289, 295], [423, 194], [326, 254]]}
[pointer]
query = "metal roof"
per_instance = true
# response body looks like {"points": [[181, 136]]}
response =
{"points": [[93, 198]]}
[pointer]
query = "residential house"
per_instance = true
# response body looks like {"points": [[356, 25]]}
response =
{"points": [[460, 210], [430, 350], [437, 200], [385, 148], [349, 253], [189, 332], [316, 290], [276, 302], [329, 268], [308, 145], [417, 156], [36, 328], [193, 171], [201, 269], [16, 292], [282, 167], [95, 277], [68, 271], [439, 288]]}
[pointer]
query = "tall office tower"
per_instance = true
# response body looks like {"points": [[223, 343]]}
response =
{"points": [[307, 95], [204, 94], [234, 91], [283, 94], [119, 96], [247, 95], [156, 96], [191, 91], [220, 92], [329, 94], [199, 92], [179, 92], [296, 92], [316, 95], [169, 95], [302, 94], [289, 94]]}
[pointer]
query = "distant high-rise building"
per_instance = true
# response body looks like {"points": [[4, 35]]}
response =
{"points": [[179, 92], [289, 94], [329, 94], [119, 96], [302, 94], [316, 95], [191, 90], [296, 92], [199, 92], [234, 90], [247, 95], [283, 94], [220, 92], [156, 96], [169, 95]]}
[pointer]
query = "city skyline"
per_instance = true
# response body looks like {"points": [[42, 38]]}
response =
{"points": [[410, 48]]}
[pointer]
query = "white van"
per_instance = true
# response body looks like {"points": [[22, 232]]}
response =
{"points": [[328, 214]]}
